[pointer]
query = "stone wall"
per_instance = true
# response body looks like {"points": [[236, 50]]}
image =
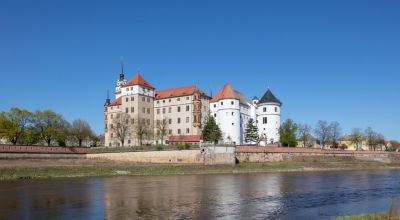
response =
{"points": [[42, 149], [218, 154], [177, 156], [264, 154], [41, 156]]}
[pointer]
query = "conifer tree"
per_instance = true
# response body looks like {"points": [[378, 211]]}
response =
{"points": [[251, 132], [211, 130]]}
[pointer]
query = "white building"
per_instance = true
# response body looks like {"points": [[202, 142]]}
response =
{"points": [[232, 111]]}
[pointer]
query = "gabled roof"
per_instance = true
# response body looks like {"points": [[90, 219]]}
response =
{"points": [[184, 138], [225, 93], [269, 97], [175, 92], [255, 98], [309, 137], [387, 142], [118, 101], [242, 98], [138, 80]]}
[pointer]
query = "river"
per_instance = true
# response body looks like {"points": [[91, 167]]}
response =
{"points": [[295, 195]]}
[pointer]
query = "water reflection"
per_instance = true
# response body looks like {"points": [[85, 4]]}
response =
{"points": [[258, 196]]}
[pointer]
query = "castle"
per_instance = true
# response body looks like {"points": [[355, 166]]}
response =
{"points": [[186, 109]]}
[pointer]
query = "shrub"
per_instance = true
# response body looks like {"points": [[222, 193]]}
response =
{"points": [[141, 148], [179, 147], [187, 146], [159, 148]]}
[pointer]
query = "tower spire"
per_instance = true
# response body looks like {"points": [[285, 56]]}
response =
{"points": [[121, 76], [211, 90], [108, 97]]}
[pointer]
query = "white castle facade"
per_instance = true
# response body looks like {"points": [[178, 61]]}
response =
{"points": [[186, 108]]}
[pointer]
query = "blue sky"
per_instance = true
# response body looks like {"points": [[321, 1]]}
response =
{"points": [[325, 60]]}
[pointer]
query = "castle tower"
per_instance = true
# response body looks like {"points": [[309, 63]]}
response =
{"points": [[269, 117], [226, 106], [120, 82], [196, 110]]}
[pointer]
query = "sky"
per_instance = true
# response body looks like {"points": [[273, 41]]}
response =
{"points": [[325, 60]]}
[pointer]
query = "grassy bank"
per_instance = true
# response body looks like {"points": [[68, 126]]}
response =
{"points": [[53, 168]]}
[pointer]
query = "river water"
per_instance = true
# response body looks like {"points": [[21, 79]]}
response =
{"points": [[295, 195]]}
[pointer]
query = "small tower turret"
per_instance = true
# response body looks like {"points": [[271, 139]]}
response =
{"points": [[196, 109], [108, 97], [255, 100]]}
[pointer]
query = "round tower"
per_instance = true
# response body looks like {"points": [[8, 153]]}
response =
{"points": [[269, 117]]}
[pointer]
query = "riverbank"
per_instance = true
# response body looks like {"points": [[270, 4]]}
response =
{"points": [[55, 168], [375, 216]]}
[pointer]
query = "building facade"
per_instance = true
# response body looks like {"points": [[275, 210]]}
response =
{"points": [[185, 110]]}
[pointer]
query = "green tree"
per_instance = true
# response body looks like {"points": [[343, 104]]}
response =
{"points": [[251, 132], [48, 125], [162, 129], [210, 131], [287, 133], [15, 123]]}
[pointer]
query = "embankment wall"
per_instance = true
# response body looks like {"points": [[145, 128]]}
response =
{"points": [[42, 149], [177, 156], [264, 154]]}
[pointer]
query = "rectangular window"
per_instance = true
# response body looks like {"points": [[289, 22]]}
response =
{"points": [[169, 100], [158, 102], [111, 115], [163, 110], [187, 119], [112, 126], [187, 98], [215, 115], [163, 101], [170, 121], [187, 130], [126, 110], [195, 118], [158, 111], [148, 121], [179, 109], [148, 100], [179, 120], [179, 131], [222, 103], [276, 109], [131, 88], [215, 105], [232, 113], [132, 121], [143, 99], [170, 131], [127, 99], [106, 126], [264, 120], [148, 110], [231, 102], [132, 109], [187, 108], [132, 98], [127, 89], [179, 99], [265, 109], [144, 110], [169, 110]]}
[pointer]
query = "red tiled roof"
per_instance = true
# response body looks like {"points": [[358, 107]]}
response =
{"points": [[181, 91], [138, 80], [184, 138], [118, 101], [387, 142], [225, 93]]}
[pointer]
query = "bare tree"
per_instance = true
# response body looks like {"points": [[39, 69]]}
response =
{"points": [[304, 131], [121, 127], [371, 137], [79, 131], [322, 131], [380, 140], [335, 132], [162, 130], [357, 137], [141, 129]]}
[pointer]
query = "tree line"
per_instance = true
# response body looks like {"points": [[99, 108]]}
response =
{"points": [[22, 127], [324, 132]]}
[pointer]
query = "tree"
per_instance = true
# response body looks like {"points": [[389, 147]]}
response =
{"points": [[380, 140], [48, 125], [162, 129], [357, 137], [335, 132], [304, 131], [371, 137], [394, 144], [122, 127], [287, 133], [210, 131], [79, 131], [251, 132], [322, 132], [15, 123], [141, 129]]}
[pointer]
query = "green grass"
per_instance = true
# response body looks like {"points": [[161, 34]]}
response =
{"points": [[136, 148]]}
